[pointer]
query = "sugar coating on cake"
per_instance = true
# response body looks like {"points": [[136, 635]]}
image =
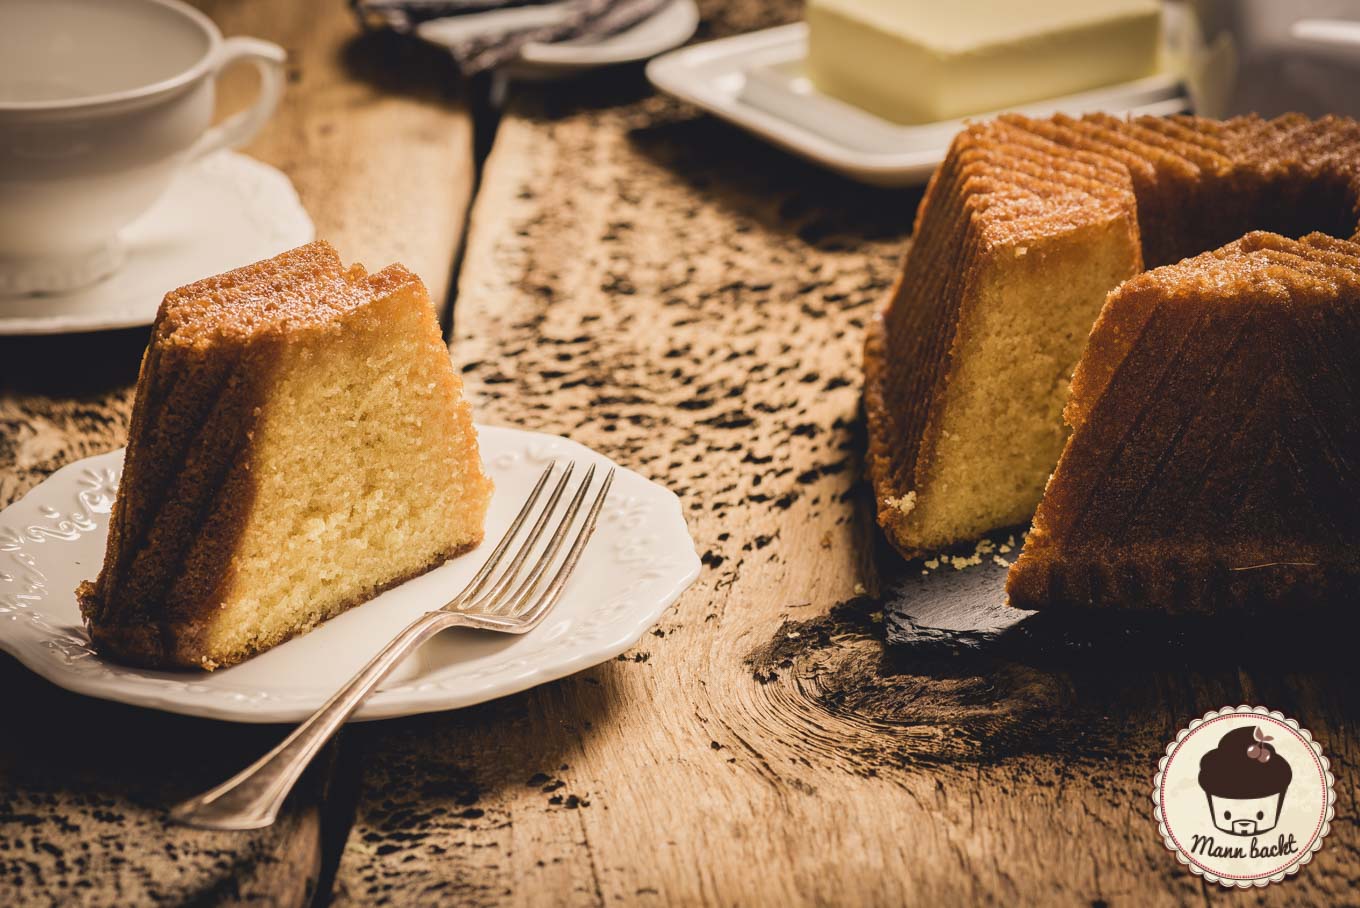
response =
{"points": [[1023, 232], [1214, 462], [298, 444]]}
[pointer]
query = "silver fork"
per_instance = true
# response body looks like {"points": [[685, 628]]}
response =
{"points": [[492, 601]]}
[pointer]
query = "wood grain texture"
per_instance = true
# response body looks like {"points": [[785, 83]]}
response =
{"points": [[375, 136], [692, 302], [83, 787], [374, 132]]}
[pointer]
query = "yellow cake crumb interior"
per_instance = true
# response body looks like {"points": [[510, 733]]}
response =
{"points": [[342, 504], [298, 444], [1000, 427]]}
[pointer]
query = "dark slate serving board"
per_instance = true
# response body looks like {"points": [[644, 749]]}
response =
{"points": [[957, 598], [957, 602]]}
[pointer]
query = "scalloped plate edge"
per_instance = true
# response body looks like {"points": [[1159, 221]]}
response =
{"points": [[25, 644]]}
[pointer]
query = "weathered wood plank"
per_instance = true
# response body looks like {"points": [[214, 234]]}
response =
{"points": [[375, 133], [378, 142], [83, 788], [692, 302]]}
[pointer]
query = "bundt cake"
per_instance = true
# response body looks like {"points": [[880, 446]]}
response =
{"points": [[1023, 231], [1214, 461], [298, 444]]}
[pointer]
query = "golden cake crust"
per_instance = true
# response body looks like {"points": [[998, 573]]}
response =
{"points": [[194, 469], [1017, 186], [1214, 463]]}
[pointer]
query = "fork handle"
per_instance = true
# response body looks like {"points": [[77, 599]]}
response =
{"points": [[251, 799]]}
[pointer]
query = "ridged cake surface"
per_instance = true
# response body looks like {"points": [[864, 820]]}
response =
{"points": [[1023, 232], [298, 444], [1214, 462]]}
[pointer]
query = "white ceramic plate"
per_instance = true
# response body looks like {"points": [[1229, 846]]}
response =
{"points": [[668, 27], [639, 561], [756, 81], [222, 212]]}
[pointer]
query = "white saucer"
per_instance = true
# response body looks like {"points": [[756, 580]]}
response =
{"points": [[756, 81], [221, 212], [667, 28], [639, 561]]}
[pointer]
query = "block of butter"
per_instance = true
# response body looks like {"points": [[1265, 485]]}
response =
{"points": [[917, 61]]}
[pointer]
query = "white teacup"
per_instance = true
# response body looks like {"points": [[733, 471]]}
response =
{"points": [[101, 102]]}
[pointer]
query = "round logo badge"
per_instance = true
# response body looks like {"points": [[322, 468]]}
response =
{"points": [[1244, 796]]}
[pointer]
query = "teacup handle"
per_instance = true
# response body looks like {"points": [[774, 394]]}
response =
{"points": [[1342, 34], [240, 128]]}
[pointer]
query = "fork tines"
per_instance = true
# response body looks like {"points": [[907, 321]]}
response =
{"points": [[502, 591]]}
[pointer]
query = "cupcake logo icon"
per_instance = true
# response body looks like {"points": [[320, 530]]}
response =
{"points": [[1245, 780], [1244, 796]]}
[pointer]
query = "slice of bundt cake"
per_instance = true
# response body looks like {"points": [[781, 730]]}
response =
{"points": [[1018, 242], [1214, 461], [298, 444]]}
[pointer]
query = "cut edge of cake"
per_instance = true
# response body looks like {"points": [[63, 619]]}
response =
{"points": [[337, 459], [1242, 170], [972, 402]]}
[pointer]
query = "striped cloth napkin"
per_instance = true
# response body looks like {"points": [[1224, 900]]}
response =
{"points": [[483, 34]]}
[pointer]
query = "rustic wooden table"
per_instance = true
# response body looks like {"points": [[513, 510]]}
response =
{"points": [[691, 302]]}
